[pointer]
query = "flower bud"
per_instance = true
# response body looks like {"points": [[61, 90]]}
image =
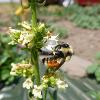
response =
{"points": [[19, 11], [41, 27], [25, 4]]}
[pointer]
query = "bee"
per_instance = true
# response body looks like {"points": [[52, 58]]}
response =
{"points": [[53, 63], [61, 53], [63, 50]]}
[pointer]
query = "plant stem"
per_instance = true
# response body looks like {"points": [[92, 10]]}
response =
{"points": [[34, 52], [34, 59], [45, 94], [33, 10]]}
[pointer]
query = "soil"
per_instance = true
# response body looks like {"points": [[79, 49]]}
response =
{"points": [[6, 16]]}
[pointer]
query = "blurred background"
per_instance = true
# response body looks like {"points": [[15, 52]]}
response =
{"points": [[78, 23]]}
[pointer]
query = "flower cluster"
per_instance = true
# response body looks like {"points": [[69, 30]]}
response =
{"points": [[22, 69], [37, 91], [61, 84], [28, 37], [47, 81], [53, 81], [34, 39], [28, 84]]}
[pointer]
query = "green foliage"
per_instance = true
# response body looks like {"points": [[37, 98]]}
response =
{"points": [[98, 96], [84, 17], [7, 56], [95, 94], [98, 55], [97, 74], [56, 28], [63, 33], [94, 69]]}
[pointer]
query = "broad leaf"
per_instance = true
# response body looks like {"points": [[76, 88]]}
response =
{"points": [[92, 68]]}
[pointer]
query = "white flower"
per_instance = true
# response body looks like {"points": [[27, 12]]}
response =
{"points": [[25, 38], [13, 66], [25, 25], [13, 73], [37, 91], [61, 84], [41, 26], [52, 38], [51, 42], [14, 34], [28, 83], [22, 69], [45, 80], [13, 30], [28, 38], [13, 70], [22, 38]]}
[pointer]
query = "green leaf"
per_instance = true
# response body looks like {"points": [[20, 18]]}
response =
{"points": [[98, 96], [10, 80], [7, 56], [97, 56], [92, 93], [5, 73], [95, 94], [4, 59], [92, 68], [97, 74]]}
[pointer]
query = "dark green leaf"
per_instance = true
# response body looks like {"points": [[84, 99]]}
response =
{"points": [[5, 74], [91, 69], [97, 74]]}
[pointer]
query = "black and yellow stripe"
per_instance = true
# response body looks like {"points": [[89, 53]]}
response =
{"points": [[61, 53]]}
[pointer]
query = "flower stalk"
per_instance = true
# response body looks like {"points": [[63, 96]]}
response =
{"points": [[34, 52], [45, 94], [34, 60], [34, 37], [32, 4]]}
